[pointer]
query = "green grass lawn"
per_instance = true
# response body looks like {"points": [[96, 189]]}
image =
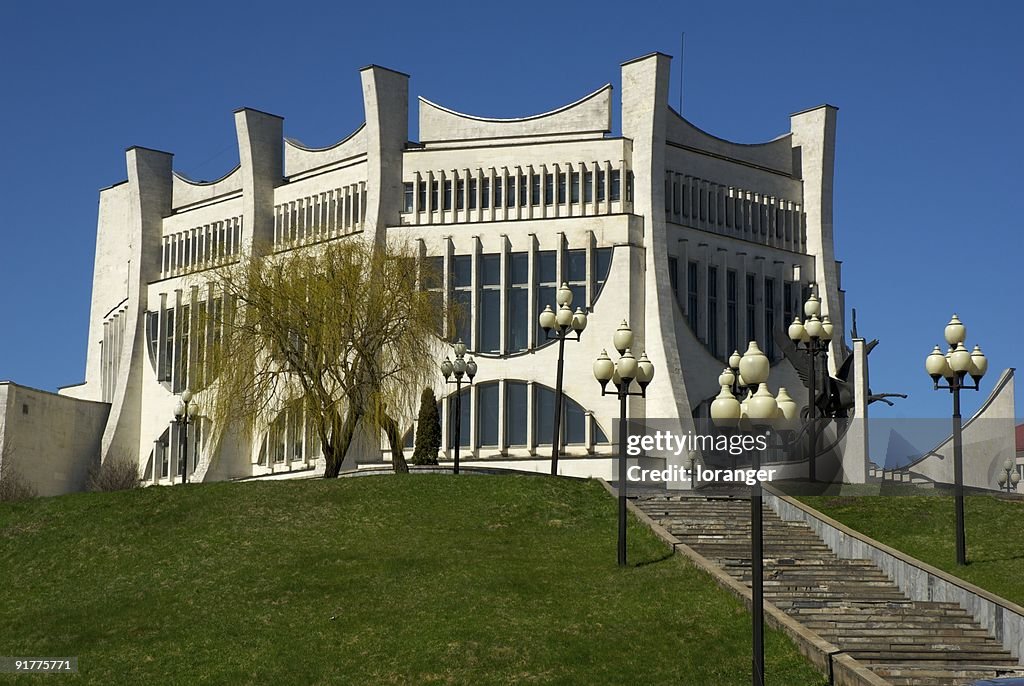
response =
{"points": [[376, 580], [925, 527]]}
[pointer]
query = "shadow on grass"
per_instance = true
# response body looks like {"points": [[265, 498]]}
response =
{"points": [[667, 556]]}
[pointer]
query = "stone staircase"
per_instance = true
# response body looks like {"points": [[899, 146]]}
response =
{"points": [[850, 603]]}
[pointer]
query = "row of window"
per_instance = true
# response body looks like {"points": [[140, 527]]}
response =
{"points": [[706, 204], [506, 192], [169, 342], [480, 327], [320, 216], [792, 294], [111, 346], [183, 339], [201, 247], [291, 440], [518, 416], [168, 452]]}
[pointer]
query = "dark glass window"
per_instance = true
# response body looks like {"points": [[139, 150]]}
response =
{"points": [[510, 191], [602, 265], [433, 196], [523, 184], [164, 454], [574, 193], [485, 194], [691, 296], [549, 189], [472, 194], [588, 187], [487, 414], [615, 185], [787, 304], [460, 194], [574, 422], [769, 318], [152, 336], [465, 416], [516, 413], [561, 188], [447, 195], [673, 277], [600, 185], [518, 319], [543, 414], [732, 323], [572, 427], [751, 308], [576, 269], [535, 190], [408, 196], [489, 302], [462, 280], [497, 192], [547, 284], [713, 310]]}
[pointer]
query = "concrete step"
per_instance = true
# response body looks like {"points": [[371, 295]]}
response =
{"points": [[851, 603]]}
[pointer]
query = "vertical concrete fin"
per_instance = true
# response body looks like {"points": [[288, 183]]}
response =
{"points": [[386, 104], [261, 156], [814, 139], [855, 452], [148, 202], [645, 111]]}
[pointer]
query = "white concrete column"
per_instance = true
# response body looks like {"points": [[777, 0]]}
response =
{"points": [[429, 211], [493, 211], [557, 172], [442, 198], [361, 205], [416, 208]]}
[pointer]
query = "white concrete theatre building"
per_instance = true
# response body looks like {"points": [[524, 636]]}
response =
{"points": [[700, 243]]}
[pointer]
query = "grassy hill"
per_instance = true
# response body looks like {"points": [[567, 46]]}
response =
{"points": [[375, 580], [925, 526]]}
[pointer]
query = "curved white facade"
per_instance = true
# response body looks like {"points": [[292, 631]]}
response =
{"points": [[701, 244]]}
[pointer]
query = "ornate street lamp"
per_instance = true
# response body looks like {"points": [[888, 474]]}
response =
{"points": [[622, 374], [453, 373], [812, 337], [759, 410], [184, 414], [1009, 477], [954, 366], [558, 327]]}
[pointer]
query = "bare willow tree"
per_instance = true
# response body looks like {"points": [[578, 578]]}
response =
{"points": [[342, 327]]}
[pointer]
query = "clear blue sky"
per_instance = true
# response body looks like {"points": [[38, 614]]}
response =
{"points": [[930, 144]]}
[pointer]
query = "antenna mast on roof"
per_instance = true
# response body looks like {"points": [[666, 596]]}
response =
{"points": [[682, 44]]}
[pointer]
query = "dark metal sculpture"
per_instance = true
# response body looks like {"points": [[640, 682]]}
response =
{"points": [[836, 397]]}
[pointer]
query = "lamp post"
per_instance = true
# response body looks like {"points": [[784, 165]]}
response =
{"points": [[184, 414], [953, 367], [1009, 477], [453, 373], [760, 410], [812, 337], [561, 324], [622, 374]]}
